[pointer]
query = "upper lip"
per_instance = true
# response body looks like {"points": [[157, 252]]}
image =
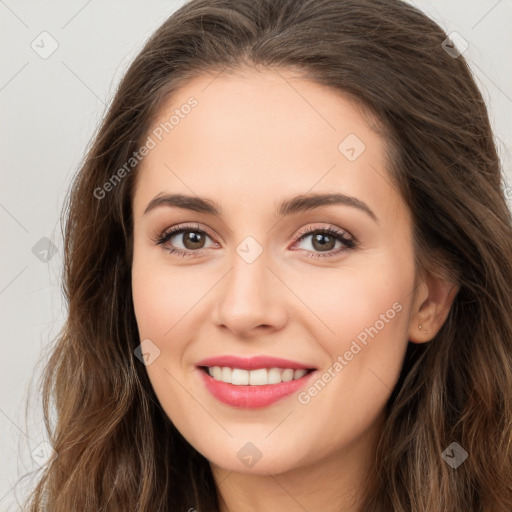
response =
{"points": [[253, 363]]}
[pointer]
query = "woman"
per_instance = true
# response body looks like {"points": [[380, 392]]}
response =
{"points": [[288, 269]]}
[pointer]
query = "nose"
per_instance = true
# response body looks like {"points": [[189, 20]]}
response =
{"points": [[251, 299]]}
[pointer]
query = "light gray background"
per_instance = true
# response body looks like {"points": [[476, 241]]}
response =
{"points": [[50, 108]]}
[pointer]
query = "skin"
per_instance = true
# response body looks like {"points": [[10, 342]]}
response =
{"points": [[255, 139]]}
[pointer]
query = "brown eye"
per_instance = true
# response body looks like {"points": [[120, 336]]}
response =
{"points": [[191, 238], [324, 240]]}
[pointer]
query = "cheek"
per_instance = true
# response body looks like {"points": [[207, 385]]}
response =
{"points": [[163, 296], [349, 302], [166, 303], [364, 326], [365, 315]]}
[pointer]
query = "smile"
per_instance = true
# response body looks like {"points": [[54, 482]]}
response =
{"points": [[258, 377], [253, 396]]}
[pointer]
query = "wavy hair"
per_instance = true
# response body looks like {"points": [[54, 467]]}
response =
{"points": [[117, 449]]}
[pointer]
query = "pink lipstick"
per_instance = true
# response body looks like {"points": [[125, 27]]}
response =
{"points": [[260, 380]]}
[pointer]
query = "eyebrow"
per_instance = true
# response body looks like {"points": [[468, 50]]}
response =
{"points": [[290, 206]]}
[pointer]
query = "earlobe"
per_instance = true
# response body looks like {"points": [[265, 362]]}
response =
{"points": [[419, 332], [432, 308]]}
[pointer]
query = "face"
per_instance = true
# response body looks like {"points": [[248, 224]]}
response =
{"points": [[325, 284]]}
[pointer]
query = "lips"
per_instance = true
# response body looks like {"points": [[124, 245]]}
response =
{"points": [[252, 396], [253, 363]]}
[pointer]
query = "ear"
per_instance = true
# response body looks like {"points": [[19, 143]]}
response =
{"points": [[433, 301]]}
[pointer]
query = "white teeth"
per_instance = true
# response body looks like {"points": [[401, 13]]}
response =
{"points": [[287, 375], [258, 377], [240, 377], [297, 374], [226, 374], [273, 376]]}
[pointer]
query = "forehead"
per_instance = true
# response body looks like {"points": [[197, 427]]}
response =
{"points": [[263, 134]]}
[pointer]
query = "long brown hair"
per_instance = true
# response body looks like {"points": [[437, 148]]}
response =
{"points": [[117, 449]]}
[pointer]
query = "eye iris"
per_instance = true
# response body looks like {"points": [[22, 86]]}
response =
{"points": [[194, 238], [320, 238]]}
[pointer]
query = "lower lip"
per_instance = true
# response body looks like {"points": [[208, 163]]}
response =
{"points": [[252, 397]]}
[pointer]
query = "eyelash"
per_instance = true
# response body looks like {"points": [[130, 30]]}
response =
{"points": [[347, 241]]}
